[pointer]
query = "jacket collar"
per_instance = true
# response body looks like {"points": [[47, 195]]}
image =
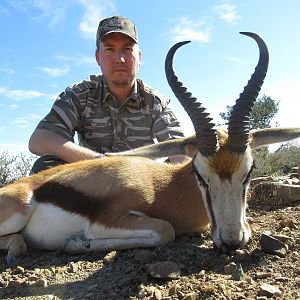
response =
{"points": [[106, 93]]}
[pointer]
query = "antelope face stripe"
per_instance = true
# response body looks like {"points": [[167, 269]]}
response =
{"points": [[208, 203]]}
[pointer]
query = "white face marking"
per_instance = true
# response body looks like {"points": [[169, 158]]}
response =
{"points": [[225, 203]]}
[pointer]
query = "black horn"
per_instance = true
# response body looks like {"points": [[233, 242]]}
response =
{"points": [[238, 124], [206, 134]]}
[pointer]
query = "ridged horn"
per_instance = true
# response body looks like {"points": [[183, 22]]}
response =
{"points": [[206, 136], [238, 125]]}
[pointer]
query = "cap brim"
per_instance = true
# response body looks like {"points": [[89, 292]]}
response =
{"points": [[120, 31]]}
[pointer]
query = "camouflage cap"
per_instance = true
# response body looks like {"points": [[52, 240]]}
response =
{"points": [[116, 24]]}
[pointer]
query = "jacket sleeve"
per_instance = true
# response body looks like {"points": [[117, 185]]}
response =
{"points": [[166, 126], [64, 116]]}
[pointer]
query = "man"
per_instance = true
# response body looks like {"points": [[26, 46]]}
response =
{"points": [[111, 112]]}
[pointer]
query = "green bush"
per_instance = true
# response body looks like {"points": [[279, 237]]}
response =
{"points": [[276, 163], [14, 167]]}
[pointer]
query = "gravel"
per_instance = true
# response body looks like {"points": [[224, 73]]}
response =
{"points": [[189, 268]]}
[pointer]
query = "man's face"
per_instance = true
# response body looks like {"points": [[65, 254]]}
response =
{"points": [[119, 58]]}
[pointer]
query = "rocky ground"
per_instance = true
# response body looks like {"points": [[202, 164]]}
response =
{"points": [[189, 268]]}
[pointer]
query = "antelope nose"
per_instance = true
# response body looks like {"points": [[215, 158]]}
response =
{"points": [[229, 246]]}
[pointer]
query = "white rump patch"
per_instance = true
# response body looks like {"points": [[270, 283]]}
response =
{"points": [[49, 226]]}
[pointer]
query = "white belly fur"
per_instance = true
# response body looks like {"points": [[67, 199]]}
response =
{"points": [[49, 226]]}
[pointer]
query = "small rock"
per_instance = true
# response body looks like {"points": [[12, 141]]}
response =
{"points": [[73, 267], [153, 292], [110, 257], [33, 278], [47, 272], [238, 273], [222, 287], [190, 296], [269, 290], [42, 282], [281, 278], [142, 294], [174, 289], [243, 255], [50, 297], [289, 193], [262, 275], [16, 282], [272, 246], [157, 294], [19, 270], [286, 229], [249, 280], [284, 238], [164, 270], [230, 268], [200, 274], [289, 223], [58, 277]]}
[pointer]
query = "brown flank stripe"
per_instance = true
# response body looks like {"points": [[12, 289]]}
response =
{"points": [[70, 200]]}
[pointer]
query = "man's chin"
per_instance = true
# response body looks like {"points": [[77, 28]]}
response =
{"points": [[121, 82]]}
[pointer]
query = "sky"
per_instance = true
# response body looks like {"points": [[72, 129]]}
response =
{"points": [[47, 45]]}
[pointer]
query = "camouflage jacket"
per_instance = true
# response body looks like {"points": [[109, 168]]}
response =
{"points": [[102, 124]]}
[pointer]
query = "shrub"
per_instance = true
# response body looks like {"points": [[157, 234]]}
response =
{"points": [[275, 163], [14, 167]]}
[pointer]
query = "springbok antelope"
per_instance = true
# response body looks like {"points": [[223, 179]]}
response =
{"points": [[127, 200]]}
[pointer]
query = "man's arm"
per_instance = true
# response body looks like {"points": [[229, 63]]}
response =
{"points": [[43, 141]]}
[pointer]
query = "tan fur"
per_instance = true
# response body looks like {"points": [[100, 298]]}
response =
{"points": [[132, 184], [145, 186], [121, 202], [224, 162], [14, 199]]}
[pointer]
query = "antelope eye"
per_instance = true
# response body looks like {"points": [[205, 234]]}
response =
{"points": [[201, 180], [248, 177]]}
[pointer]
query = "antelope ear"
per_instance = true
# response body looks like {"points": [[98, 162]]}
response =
{"points": [[267, 136]]}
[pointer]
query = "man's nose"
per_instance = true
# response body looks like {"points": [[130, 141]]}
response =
{"points": [[120, 57]]}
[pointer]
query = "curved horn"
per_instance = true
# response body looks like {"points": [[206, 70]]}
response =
{"points": [[206, 136], [238, 125]]}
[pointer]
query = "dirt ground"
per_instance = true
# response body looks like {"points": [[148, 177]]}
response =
{"points": [[192, 267]]}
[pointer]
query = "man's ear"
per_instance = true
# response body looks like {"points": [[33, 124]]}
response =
{"points": [[140, 57], [97, 56]]}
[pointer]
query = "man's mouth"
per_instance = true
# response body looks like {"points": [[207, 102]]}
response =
{"points": [[120, 70]]}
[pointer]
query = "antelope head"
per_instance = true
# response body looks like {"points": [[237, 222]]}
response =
{"points": [[223, 162]]}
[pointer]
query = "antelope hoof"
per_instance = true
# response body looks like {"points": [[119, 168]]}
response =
{"points": [[17, 248], [75, 245], [11, 260]]}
